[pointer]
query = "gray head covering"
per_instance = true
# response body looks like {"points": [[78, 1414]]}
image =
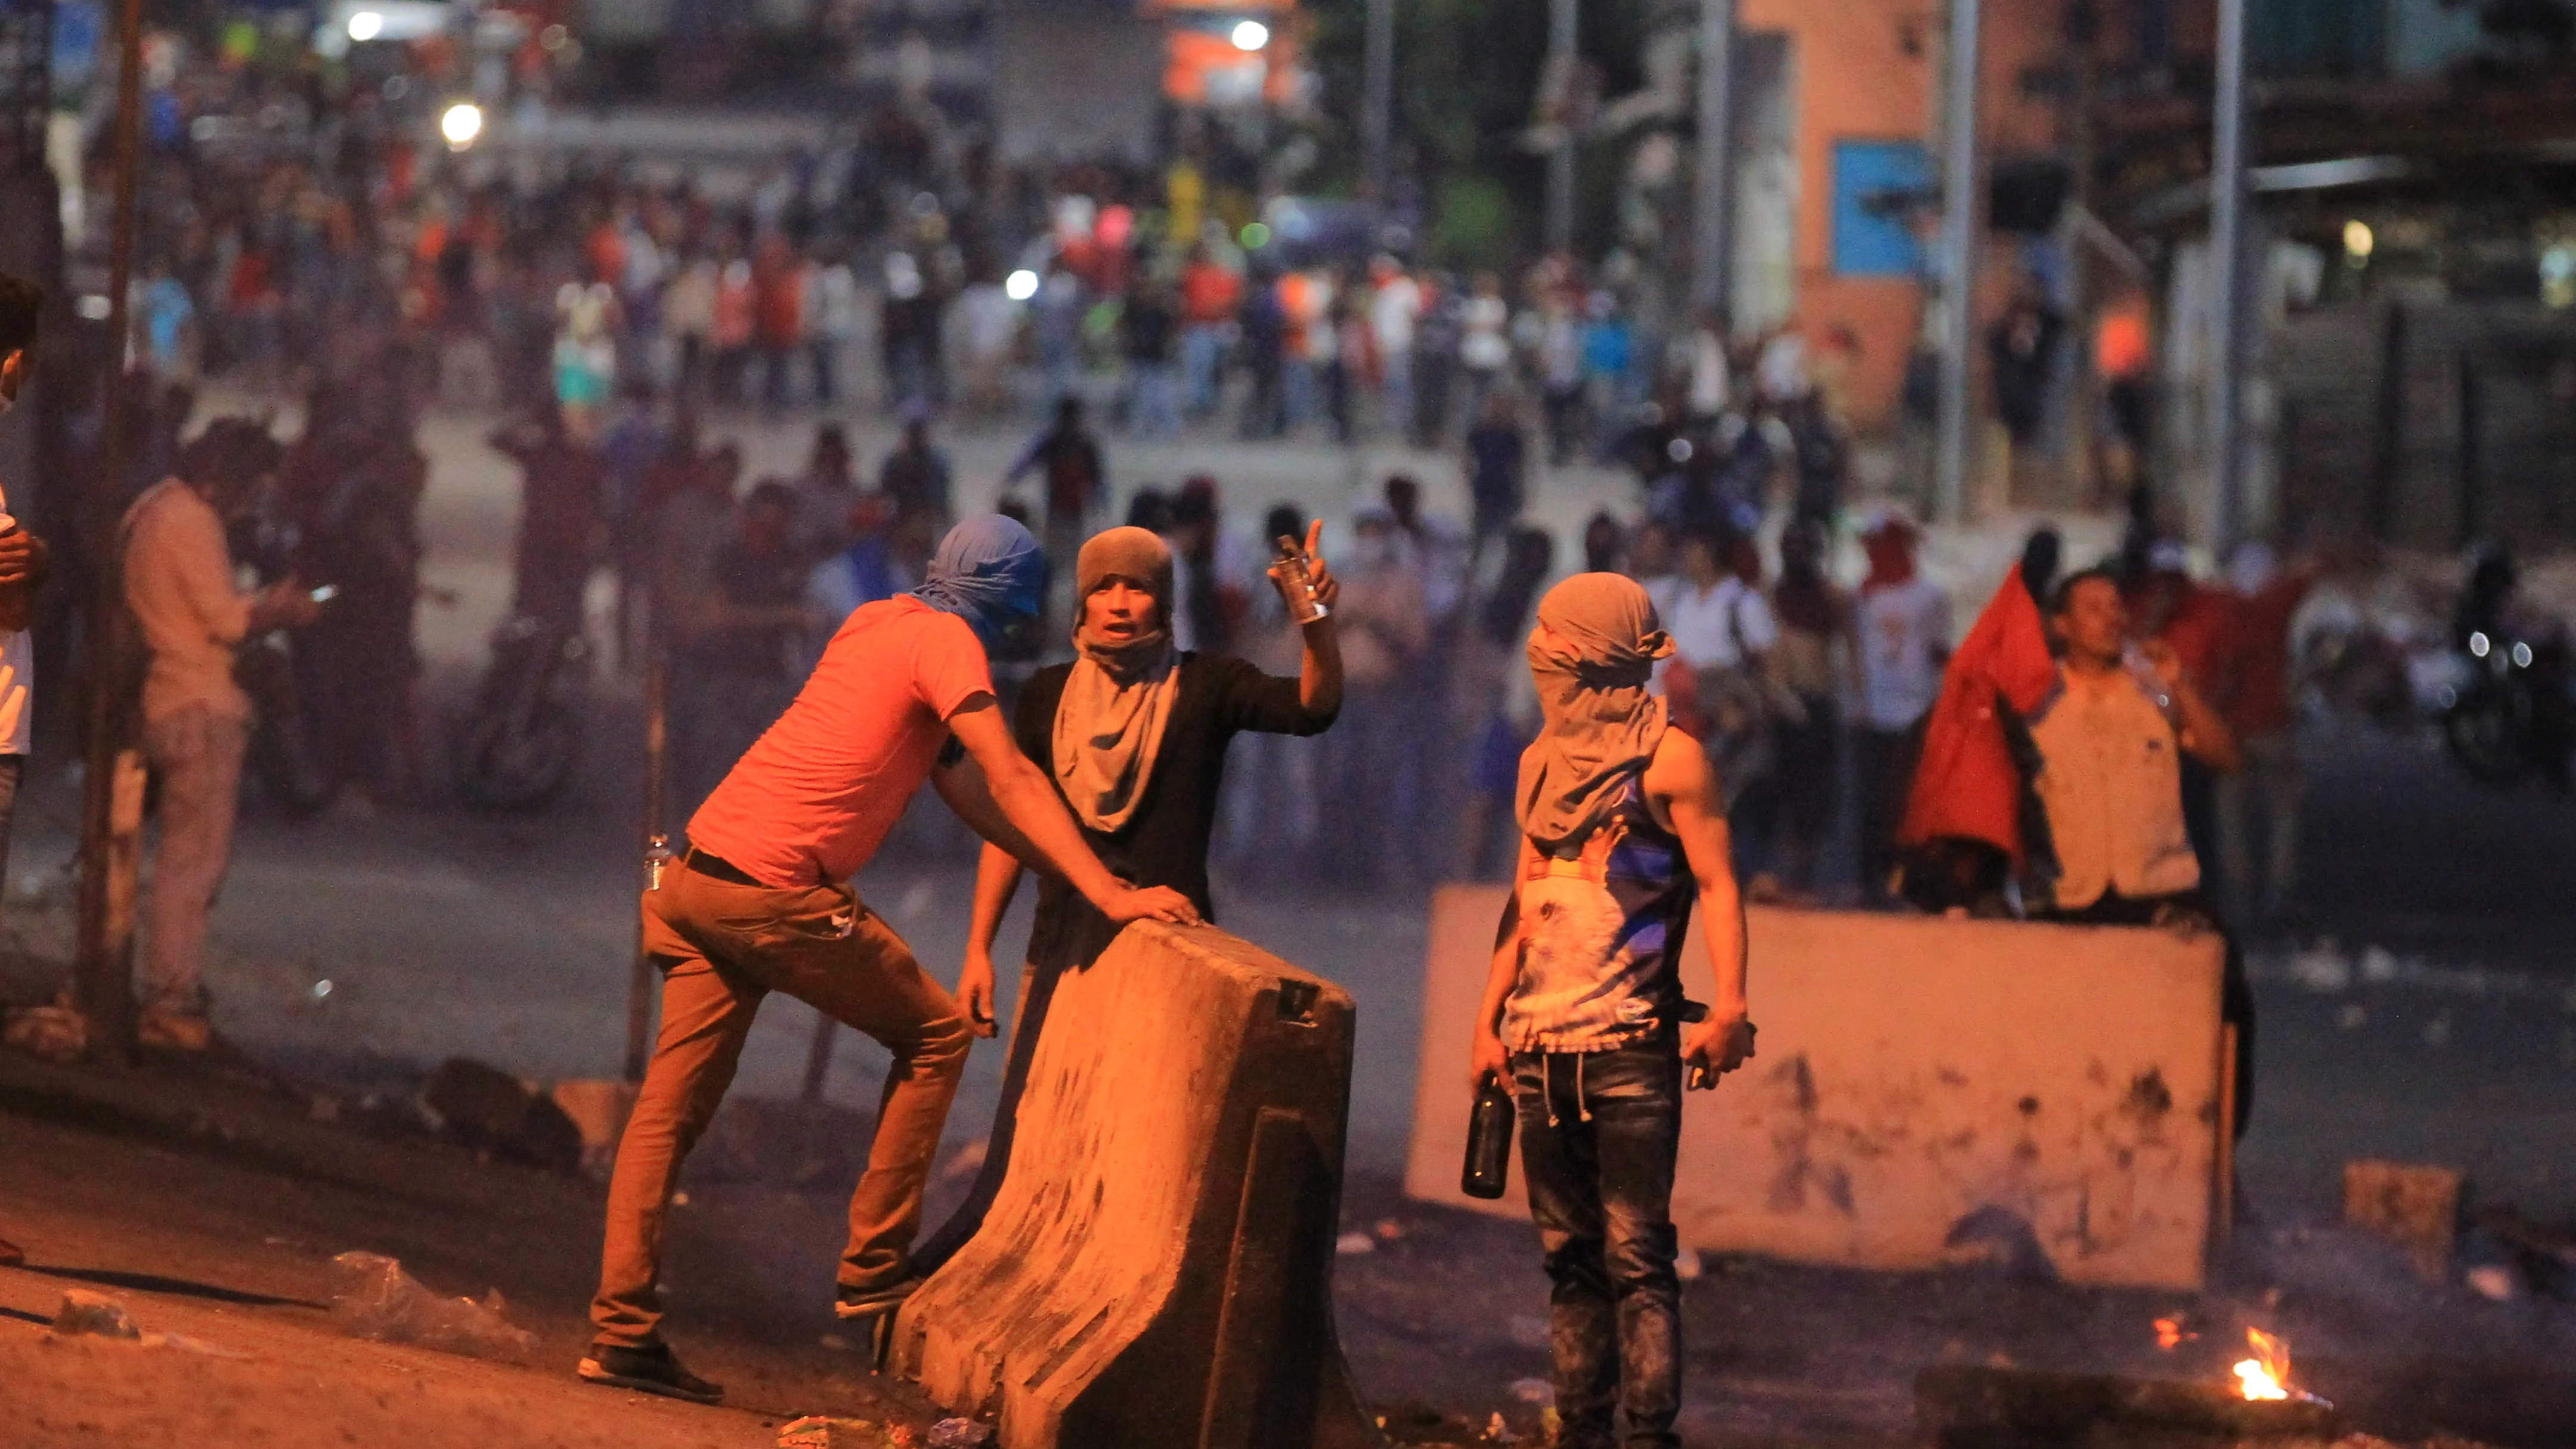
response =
{"points": [[988, 571], [1595, 648]]}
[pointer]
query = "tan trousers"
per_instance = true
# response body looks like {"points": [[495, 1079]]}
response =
{"points": [[197, 752], [721, 947]]}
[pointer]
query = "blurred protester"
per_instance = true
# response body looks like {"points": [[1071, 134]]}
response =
{"points": [[735, 638], [1780, 369], [1814, 665], [869, 568], [2109, 741], [1207, 598], [1560, 370], [1274, 805], [760, 904], [1372, 813], [1623, 834], [1352, 364], [1485, 342], [2167, 604], [196, 721], [689, 323], [1605, 545], [824, 495], [734, 327], [1609, 363], [1497, 468], [1263, 324], [1211, 294], [1437, 546], [1146, 334], [2260, 869], [561, 489], [1821, 455], [25, 563], [916, 475], [1395, 306], [1723, 634], [989, 334], [1654, 561], [829, 292], [1076, 476], [1133, 733], [778, 307], [1435, 363], [1902, 636], [1055, 325], [1493, 676], [2021, 350], [1309, 340], [587, 321], [356, 480], [1710, 370]]}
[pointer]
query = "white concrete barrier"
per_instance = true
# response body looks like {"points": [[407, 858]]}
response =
{"points": [[1924, 1090]]}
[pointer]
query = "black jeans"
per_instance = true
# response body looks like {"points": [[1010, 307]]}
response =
{"points": [[1599, 1131]]}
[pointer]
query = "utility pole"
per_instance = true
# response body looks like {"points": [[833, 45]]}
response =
{"points": [[112, 781], [1562, 18], [1958, 254], [2227, 278], [1712, 225], [1377, 113]]}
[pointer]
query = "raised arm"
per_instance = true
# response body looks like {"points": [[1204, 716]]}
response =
{"points": [[2205, 733], [1319, 672], [1033, 817], [1682, 788]]}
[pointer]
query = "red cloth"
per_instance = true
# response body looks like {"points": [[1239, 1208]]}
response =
{"points": [[1209, 293], [2255, 682], [813, 799], [1967, 784]]}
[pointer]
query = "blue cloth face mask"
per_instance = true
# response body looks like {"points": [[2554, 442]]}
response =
{"points": [[990, 572]]}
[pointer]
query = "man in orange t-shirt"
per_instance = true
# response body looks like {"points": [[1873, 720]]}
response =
{"points": [[903, 693]]}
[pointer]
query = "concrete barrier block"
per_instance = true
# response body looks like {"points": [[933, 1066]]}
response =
{"points": [[1157, 1267], [1926, 1091]]}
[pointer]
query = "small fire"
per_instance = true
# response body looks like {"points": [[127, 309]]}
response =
{"points": [[2170, 1334], [2267, 1374]]}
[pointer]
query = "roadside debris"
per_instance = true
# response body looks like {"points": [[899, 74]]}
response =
{"points": [[819, 1431], [378, 1300], [94, 1315], [959, 1434], [53, 1033], [485, 1108], [1352, 1244]]}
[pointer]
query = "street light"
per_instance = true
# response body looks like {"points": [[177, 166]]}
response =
{"points": [[2358, 243], [1251, 35], [366, 25], [1021, 285], [461, 124]]}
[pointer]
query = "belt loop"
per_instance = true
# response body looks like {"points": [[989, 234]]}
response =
{"points": [[1547, 1084], [1580, 1105]]}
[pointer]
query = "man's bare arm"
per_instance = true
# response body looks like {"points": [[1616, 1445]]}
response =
{"points": [[1487, 1060], [1683, 787]]}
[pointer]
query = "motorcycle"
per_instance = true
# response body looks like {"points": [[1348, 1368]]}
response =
{"points": [[519, 748], [2505, 718]]}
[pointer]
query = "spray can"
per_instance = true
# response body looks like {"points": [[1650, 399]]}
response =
{"points": [[659, 858], [1489, 1143], [1297, 583]]}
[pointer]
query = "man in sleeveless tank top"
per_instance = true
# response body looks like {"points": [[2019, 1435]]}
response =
{"points": [[1623, 831]]}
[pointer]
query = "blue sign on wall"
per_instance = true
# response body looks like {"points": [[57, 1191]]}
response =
{"points": [[1872, 181]]}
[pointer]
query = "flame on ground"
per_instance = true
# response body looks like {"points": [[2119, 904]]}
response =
{"points": [[2267, 1374], [2170, 1334]]}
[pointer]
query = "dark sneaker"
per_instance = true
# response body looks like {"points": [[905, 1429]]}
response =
{"points": [[874, 1302], [654, 1370]]}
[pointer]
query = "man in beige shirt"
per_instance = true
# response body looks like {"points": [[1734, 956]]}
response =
{"points": [[196, 720]]}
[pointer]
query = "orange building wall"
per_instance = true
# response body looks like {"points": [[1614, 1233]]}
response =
{"points": [[1856, 81]]}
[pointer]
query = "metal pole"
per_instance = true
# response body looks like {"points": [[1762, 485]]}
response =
{"points": [[103, 966], [1958, 259], [2227, 276], [1377, 114], [1562, 19], [1711, 225], [644, 984]]}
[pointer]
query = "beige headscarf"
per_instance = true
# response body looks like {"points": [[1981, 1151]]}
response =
{"points": [[1109, 725], [1596, 646]]}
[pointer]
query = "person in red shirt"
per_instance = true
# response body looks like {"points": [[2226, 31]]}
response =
{"points": [[1210, 296], [903, 693], [778, 292], [2253, 681]]}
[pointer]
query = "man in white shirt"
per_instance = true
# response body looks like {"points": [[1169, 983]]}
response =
{"points": [[1903, 627], [24, 562], [1718, 620], [1395, 309], [196, 720]]}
